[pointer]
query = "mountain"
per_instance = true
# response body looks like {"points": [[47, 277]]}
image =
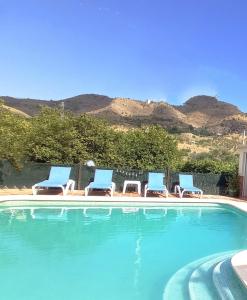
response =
{"points": [[78, 104], [199, 113], [207, 111], [217, 117]]}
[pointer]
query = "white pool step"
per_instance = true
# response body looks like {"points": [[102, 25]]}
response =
{"points": [[178, 285], [226, 282], [196, 280], [201, 281]]}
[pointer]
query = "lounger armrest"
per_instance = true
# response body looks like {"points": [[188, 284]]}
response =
{"points": [[145, 189], [86, 189], [178, 190]]}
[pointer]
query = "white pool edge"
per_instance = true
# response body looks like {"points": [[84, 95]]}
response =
{"points": [[95, 200], [239, 265]]}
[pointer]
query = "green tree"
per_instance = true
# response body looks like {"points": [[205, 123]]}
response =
{"points": [[100, 140], [14, 136], [54, 138], [148, 148]]}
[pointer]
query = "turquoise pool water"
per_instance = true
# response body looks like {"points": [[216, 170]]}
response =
{"points": [[111, 254]]}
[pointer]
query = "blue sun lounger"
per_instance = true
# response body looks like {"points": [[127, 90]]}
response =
{"points": [[155, 183], [102, 181], [58, 178], [186, 185]]}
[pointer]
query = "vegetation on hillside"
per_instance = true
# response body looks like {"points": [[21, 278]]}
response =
{"points": [[200, 115], [55, 136]]}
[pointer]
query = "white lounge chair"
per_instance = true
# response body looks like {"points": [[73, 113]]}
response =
{"points": [[186, 185], [58, 178], [102, 181], [155, 184]]}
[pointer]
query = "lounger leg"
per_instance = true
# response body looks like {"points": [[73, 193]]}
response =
{"points": [[34, 190], [64, 191], [139, 189], [178, 190], [145, 191], [86, 191], [72, 186], [113, 188], [175, 189]]}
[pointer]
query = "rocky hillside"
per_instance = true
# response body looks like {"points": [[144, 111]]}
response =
{"points": [[134, 113], [198, 113]]}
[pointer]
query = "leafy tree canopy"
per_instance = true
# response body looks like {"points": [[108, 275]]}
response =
{"points": [[55, 136], [14, 132], [148, 148]]}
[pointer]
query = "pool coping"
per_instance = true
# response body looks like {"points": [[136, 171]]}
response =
{"points": [[118, 200], [239, 265]]}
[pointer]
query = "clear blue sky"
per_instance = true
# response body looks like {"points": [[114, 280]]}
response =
{"points": [[159, 49]]}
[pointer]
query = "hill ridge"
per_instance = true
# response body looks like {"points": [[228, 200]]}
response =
{"points": [[198, 112]]}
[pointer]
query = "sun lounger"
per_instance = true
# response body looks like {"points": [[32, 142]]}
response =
{"points": [[155, 184], [102, 181], [58, 178], [186, 186]]}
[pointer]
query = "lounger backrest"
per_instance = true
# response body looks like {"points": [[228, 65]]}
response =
{"points": [[185, 180], [59, 174], [155, 179], [103, 176]]}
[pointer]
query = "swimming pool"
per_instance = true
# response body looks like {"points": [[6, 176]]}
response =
{"points": [[113, 253]]}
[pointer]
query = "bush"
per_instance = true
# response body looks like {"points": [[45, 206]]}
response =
{"points": [[209, 166]]}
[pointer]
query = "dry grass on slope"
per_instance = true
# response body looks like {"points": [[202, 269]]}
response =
{"points": [[16, 111], [198, 144]]}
